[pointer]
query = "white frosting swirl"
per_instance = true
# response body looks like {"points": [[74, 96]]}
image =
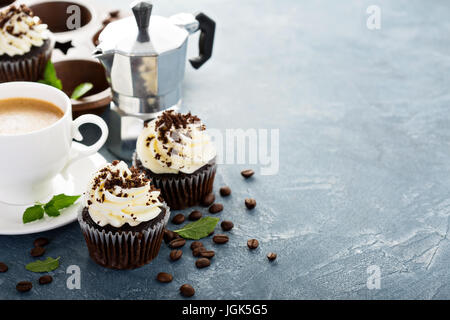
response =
{"points": [[184, 148], [20, 31], [109, 201]]}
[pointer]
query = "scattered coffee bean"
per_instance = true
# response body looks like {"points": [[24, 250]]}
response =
{"points": [[37, 251], [169, 235], [216, 208], [45, 279], [195, 215], [164, 277], [40, 242], [196, 244], [250, 203], [197, 251], [178, 219], [3, 267], [252, 244], [220, 238], [225, 191], [202, 263], [247, 173], [227, 225], [24, 286], [271, 256], [207, 254], [187, 290], [175, 255], [177, 243], [208, 199]]}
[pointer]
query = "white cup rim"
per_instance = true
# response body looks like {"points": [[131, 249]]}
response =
{"points": [[67, 108]]}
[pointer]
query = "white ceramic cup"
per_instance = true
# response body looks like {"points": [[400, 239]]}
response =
{"points": [[29, 161]]}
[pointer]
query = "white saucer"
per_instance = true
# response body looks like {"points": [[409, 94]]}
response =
{"points": [[73, 182]]}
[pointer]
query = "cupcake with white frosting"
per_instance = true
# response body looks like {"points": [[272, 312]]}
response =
{"points": [[176, 152], [25, 45], [123, 218]]}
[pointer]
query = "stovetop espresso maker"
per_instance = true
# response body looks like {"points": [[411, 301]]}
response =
{"points": [[144, 57]]}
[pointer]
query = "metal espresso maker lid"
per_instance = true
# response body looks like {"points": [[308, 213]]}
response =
{"points": [[144, 57]]}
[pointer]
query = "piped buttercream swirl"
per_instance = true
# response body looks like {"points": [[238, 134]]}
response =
{"points": [[118, 195], [174, 143], [20, 30]]}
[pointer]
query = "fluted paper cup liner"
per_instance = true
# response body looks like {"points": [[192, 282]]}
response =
{"points": [[30, 67], [181, 192], [124, 250]]}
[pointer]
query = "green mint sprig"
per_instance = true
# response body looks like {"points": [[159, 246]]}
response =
{"points": [[81, 90], [51, 79], [198, 229], [51, 208], [46, 265]]}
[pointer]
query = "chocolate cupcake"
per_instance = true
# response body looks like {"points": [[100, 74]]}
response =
{"points": [[175, 151], [123, 218], [25, 45]]}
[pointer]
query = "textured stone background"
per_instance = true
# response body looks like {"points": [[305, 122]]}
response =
{"points": [[364, 155]]}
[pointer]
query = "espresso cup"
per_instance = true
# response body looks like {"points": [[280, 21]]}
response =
{"points": [[30, 161]]}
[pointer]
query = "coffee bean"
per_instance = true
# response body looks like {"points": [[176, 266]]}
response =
{"points": [[202, 263], [178, 219], [195, 215], [271, 256], [177, 243], [252, 244], [196, 244], [247, 173], [227, 225], [220, 238], [24, 286], [175, 255], [40, 242], [3, 267], [45, 279], [207, 254], [208, 199], [250, 203], [169, 235], [216, 208], [225, 191], [187, 290], [197, 251], [114, 14], [37, 251], [164, 277]]}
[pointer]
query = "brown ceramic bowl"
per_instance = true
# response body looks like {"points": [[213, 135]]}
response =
{"points": [[74, 72], [55, 14]]}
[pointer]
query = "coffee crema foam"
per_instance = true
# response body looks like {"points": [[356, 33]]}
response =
{"points": [[25, 115]]}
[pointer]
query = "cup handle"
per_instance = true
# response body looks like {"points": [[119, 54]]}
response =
{"points": [[76, 135]]}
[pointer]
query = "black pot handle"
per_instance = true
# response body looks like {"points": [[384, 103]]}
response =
{"points": [[206, 41]]}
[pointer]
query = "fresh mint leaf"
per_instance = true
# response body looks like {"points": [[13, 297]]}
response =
{"points": [[46, 265], [52, 208], [51, 211], [33, 213], [198, 229], [81, 90], [50, 77], [61, 201]]}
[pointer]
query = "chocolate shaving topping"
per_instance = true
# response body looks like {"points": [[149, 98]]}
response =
{"points": [[170, 119], [7, 15], [115, 180]]}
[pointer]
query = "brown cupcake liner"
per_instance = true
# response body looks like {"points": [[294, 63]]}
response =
{"points": [[181, 192], [30, 68], [124, 250]]}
